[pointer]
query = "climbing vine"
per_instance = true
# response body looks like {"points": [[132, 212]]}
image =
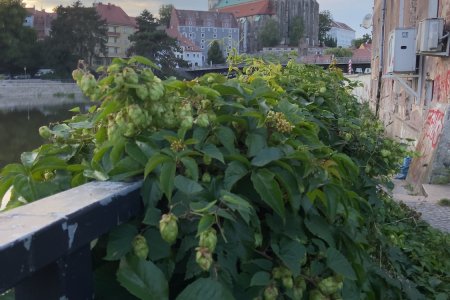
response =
{"points": [[262, 186]]}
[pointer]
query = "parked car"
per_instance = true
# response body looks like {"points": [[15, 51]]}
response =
{"points": [[22, 76], [41, 72], [367, 71]]}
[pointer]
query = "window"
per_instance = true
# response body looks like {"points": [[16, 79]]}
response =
{"points": [[203, 35], [187, 54], [215, 30], [203, 41], [202, 46], [203, 29], [215, 36], [230, 31]]}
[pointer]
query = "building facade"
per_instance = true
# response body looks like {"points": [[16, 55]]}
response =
{"points": [[342, 33], [253, 14], [120, 27], [190, 52], [39, 20], [410, 89], [204, 27]]}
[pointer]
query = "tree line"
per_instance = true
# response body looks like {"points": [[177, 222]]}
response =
{"points": [[78, 32]]}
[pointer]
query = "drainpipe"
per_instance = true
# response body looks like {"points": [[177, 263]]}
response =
{"points": [[381, 60]]}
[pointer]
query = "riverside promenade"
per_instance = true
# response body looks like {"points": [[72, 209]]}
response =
{"points": [[434, 214], [23, 94]]}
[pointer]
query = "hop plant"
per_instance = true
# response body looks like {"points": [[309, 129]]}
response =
{"points": [[203, 257], [140, 247], [208, 239], [271, 293], [278, 121], [168, 228], [177, 146], [330, 285]]}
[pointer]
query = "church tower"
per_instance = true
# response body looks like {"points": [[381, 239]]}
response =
{"points": [[212, 4]]}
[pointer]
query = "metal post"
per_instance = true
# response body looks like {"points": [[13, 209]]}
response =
{"points": [[69, 277]]}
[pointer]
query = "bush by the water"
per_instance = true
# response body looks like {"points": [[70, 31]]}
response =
{"points": [[263, 186]]}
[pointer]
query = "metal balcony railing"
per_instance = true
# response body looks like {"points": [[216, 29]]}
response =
{"points": [[45, 245]]}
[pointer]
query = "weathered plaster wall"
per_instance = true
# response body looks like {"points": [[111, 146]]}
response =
{"points": [[425, 119]]}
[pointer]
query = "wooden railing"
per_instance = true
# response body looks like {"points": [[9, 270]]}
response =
{"points": [[45, 245]]}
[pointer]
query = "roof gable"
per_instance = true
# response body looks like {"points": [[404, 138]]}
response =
{"points": [[114, 15], [199, 18], [261, 7]]}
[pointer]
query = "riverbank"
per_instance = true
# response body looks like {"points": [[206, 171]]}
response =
{"points": [[34, 93]]}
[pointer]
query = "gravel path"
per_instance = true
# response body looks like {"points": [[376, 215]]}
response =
{"points": [[434, 214]]}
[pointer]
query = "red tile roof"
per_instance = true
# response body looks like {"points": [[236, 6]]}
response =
{"points": [[184, 41], [261, 7], [114, 15], [363, 53]]}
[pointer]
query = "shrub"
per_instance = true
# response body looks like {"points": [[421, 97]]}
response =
{"points": [[263, 186]]}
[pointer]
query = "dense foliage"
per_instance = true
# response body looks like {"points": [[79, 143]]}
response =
{"points": [[264, 186], [19, 48], [325, 22], [269, 34], [215, 54], [153, 42], [296, 31], [339, 52], [78, 32]]}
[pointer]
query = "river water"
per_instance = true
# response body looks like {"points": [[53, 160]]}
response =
{"points": [[19, 129]]}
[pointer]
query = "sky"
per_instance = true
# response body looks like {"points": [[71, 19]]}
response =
{"points": [[350, 12]]}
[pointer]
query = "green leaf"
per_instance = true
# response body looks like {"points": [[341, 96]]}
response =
{"points": [[320, 228], [339, 264], [235, 202], [157, 247], [48, 163], [142, 279], [205, 288], [213, 151], [152, 216], [120, 241], [234, 172], [206, 91], [269, 190], [187, 186], [144, 61], [166, 179], [154, 162], [260, 279], [133, 150], [191, 165], [205, 223], [291, 252], [227, 138], [266, 156], [255, 142], [28, 158]]}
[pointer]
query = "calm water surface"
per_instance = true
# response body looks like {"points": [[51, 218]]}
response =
{"points": [[19, 129]]}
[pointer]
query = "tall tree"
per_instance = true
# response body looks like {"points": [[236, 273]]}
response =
{"points": [[269, 35], [78, 32], [18, 46], [325, 20], [152, 42], [330, 41], [165, 13], [366, 38], [296, 31], [215, 54]]}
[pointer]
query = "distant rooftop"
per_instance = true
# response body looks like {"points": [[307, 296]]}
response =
{"points": [[341, 26], [182, 40], [260, 7], [224, 3], [205, 18], [114, 15]]}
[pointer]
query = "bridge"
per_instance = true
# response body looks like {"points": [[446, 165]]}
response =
{"points": [[323, 61]]}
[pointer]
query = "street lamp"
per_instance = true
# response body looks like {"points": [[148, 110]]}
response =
{"points": [[25, 70]]}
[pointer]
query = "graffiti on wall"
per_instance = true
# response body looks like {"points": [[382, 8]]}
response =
{"points": [[433, 126], [427, 143], [441, 87]]}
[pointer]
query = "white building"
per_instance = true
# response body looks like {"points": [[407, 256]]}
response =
{"points": [[191, 53], [342, 33]]}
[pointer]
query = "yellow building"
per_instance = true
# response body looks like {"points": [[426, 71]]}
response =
{"points": [[120, 27]]}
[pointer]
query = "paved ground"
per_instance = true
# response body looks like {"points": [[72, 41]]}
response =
{"points": [[436, 215]]}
